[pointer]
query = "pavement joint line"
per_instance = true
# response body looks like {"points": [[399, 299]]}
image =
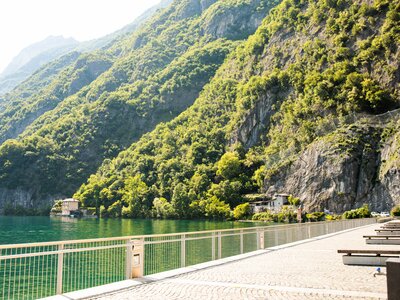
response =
{"points": [[280, 288]]}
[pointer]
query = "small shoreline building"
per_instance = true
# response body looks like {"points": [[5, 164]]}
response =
{"points": [[68, 206], [262, 202]]}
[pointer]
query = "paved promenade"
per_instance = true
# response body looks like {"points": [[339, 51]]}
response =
{"points": [[308, 270]]}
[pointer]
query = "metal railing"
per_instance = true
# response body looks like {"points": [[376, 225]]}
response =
{"points": [[36, 270]]}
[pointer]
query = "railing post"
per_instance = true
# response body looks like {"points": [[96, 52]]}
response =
{"points": [[183, 250], [213, 246], [60, 266], [134, 259], [260, 240], [128, 259], [219, 245], [241, 241]]}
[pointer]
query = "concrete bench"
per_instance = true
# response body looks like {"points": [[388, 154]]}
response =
{"points": [[382, 239], [368, 257], [390, 227], [387, 231]]}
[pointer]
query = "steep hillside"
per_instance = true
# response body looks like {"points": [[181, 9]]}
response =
{"points": [[22, 111], [285, 96], [157, 73]]}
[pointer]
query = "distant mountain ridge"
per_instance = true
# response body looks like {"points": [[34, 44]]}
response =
{"points": [[28, 53], [33, 57]]}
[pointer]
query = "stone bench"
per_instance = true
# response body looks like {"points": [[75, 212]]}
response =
{"points": [[387, 231], [368, 257], [382, 239]]}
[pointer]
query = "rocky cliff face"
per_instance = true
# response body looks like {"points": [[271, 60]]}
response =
{"points": [[255, 121], [354, 165], [14, 198], [225, 21]]}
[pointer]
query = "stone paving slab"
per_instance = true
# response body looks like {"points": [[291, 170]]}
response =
{"points": [[307, 270]]}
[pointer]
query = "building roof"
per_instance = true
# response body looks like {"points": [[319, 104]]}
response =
{"points": [[70, 200], [257, 197]]}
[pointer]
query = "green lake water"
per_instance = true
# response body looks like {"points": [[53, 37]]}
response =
{"points": [[15, 230]]}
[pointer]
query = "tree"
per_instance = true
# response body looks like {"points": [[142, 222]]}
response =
{"points": [[242, 211], [162, 208], [228, 191], [180, 200], [229, 166], [134, 198], [215, 209]]}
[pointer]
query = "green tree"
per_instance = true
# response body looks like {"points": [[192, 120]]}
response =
{"points": [[229, 166], [162, 208], [242, 211], [135, 198], [214, 208], [180, 200]]}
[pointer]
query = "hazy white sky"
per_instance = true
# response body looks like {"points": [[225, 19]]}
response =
{"points": [[23, 22]]}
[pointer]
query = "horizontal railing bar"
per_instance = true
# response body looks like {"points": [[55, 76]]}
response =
{"points": [[67, 242], [195, 238], [125, 238], [56, 252]]}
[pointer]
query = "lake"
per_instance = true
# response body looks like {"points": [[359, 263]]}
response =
{"points": [[16, 229]]}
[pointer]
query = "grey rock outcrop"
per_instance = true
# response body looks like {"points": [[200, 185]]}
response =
{"points": [[343, 171], [228, 22]]}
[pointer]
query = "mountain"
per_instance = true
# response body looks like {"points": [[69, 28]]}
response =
{"points": [[32, 58], [101, 103], [307, 105], [210, 100]]}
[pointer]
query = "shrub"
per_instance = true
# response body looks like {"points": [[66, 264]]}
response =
{"points": [[57, 207], [333, 217], [263, 216], [362, 212], [91, 211], [315, 216], [395, 212], [295, 201], [242, 211], [286, 214]]}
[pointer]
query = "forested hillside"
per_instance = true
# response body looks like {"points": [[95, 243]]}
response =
{"points": [[103, 101], [291, 110]]}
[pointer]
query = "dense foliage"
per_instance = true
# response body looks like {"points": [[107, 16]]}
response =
{"points": [[395, 211], [362, 212], [150, 77], [310, 63]]}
